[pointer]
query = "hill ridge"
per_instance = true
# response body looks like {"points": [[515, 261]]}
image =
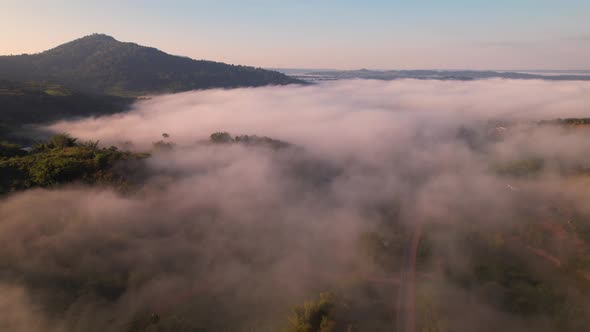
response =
{"points": [[100, 63]]}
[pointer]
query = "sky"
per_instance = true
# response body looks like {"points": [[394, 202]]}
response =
{"points": [[344, 34]]}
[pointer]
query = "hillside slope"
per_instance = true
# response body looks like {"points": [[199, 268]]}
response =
{"points": [[99, 63], [37, 102]]}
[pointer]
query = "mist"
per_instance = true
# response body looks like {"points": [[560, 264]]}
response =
{"points": [[231, 236], [343, 115]]}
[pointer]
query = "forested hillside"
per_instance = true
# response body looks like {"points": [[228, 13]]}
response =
{"points": [[37, 102], [532, 269], [100, 64], [27, 103]]}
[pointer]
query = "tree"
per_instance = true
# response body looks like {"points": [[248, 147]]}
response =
{"points": [[163, 146], [221, 137], [61, 141], [314, 316]]}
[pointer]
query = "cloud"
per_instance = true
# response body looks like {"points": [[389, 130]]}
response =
{"points": [[231, 236], [358, 112]]}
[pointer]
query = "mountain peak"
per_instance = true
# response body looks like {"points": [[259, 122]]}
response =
{"points": [[99, 36], [100, 63], [85, 44], [95, 38]]}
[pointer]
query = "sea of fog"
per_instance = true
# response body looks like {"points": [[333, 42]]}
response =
{"points": [[240, 234]]}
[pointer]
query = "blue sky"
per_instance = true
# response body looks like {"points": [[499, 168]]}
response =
{"points": [[500, 34]]}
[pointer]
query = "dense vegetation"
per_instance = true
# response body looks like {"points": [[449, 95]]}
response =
{"points": [[41, 102], [225, 137], [314, 315], [568, 121], [100, 64], [496, 269], [533, 268], [445, 75], [60, 160], [162, 261]]}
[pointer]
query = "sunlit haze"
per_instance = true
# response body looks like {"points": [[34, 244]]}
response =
{"points": [[378, 34], [295, 166]]}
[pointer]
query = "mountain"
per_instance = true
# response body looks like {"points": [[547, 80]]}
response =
{"points": [[462, 75], [101, 64]]}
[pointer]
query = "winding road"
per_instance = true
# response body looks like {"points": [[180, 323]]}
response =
{"points": [[406, 311]]}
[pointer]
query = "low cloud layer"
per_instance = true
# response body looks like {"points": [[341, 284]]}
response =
{"points": [[344, 115], [228, 236]]}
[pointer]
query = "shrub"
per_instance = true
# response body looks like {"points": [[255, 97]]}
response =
{"points": [[314, 316]]}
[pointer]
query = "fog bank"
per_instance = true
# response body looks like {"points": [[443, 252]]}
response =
{"points": [[231, 236]]}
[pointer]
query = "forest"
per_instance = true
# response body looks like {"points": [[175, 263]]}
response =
{"points": [[100, 64], [517, 272], [410, 205], [294, 166]]}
